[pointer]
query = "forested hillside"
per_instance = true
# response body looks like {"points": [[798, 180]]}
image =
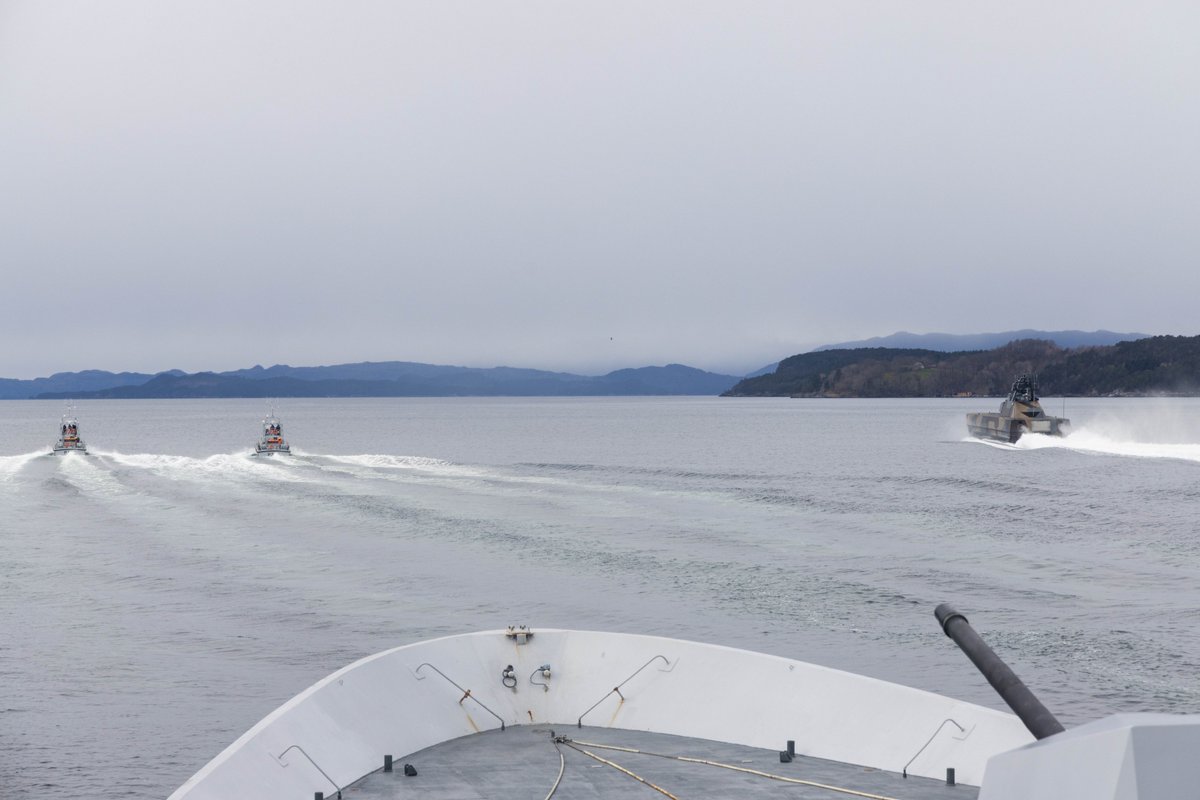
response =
{"points": [[1157, 365]]}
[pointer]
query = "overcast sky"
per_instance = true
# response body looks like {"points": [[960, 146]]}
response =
{"points": [[584, 186]]}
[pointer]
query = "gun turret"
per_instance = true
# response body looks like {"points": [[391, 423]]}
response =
{"points": [[1037, 718]]}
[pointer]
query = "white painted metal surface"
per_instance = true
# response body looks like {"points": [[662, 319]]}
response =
{"points": [[397, 703], [1122, 757]]}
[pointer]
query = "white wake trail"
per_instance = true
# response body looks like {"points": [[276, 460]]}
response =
{"points": [[86, 474], [223, 466], [1094, 443], [11, 465], [1086, 441], [370, 461]]}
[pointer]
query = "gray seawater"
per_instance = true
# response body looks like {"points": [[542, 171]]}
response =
{"points": [[160, 596]]}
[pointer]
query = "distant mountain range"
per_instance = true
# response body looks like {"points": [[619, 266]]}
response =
{"points": [[414, 379], [370, 379], [72, 383]]}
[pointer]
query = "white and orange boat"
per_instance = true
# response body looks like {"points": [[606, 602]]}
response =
{"points": [[272, 442], [68, 437]]}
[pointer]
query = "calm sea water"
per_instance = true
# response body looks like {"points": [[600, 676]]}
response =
{"points": [[162, 595]]}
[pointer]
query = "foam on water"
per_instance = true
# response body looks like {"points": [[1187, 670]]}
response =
{"points": [[151, 461], [11, 465], [89, 476], [990, 443], [376, 461], [1092, 441], [1086, 441], [227, 466], [1095, 443]]}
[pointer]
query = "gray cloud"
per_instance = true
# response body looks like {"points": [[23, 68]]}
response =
{"points": [[585, 186]]}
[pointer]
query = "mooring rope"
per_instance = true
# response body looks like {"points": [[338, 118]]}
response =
{"points": [[616, 766], [734, 767], [562, 766]]}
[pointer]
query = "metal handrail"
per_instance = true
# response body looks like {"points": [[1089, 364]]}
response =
{"points": [[279, 758], [466, 692], [617, 688], [904, 770], [543, 668]]}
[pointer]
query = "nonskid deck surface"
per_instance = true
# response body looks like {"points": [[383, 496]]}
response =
{"points": [[523, 762]]}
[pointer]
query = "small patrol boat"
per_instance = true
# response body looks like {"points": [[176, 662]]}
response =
{"points": [[68, 437], [1021, 413], [271, 442]]}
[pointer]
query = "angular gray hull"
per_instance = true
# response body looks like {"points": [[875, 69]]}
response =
{"points": [[995, 427], [1003, 428]]}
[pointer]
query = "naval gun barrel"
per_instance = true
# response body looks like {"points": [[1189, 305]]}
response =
{"points": [[1037, 718]]}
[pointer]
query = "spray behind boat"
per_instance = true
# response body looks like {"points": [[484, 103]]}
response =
{"points": [[1037, 718]]}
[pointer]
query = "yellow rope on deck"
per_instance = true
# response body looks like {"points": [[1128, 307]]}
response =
{"points": [[617, 766], [734, 767]]}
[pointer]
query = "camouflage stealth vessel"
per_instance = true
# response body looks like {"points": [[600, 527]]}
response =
{"points": [[1021, 413]]}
